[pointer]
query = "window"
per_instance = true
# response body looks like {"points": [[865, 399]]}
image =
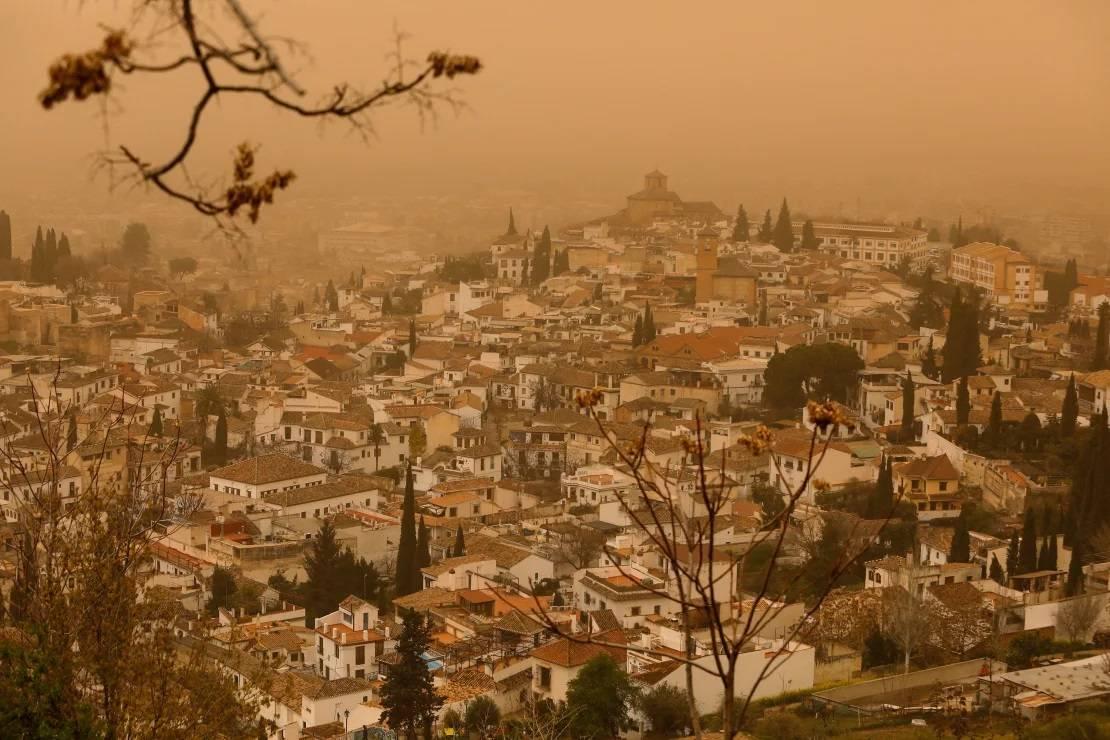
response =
{"points": [[360, 655], [545, 677], [634, 611]]}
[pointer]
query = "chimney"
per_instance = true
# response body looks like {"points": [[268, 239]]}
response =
{"points": [[366, 634]]}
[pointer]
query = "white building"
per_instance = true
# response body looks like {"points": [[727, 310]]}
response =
{"points": [[265, 475], [347, 641], [876, 244]]}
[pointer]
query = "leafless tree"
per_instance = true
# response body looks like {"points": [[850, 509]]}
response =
{"points": [[78, 600], [906, 618], [222, 46], [1075, 618], [678, 512]]}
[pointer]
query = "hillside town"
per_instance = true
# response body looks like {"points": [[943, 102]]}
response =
{"points": [[722, 461]]}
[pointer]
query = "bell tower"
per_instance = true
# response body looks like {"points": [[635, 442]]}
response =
{"points": [[706, 263]]}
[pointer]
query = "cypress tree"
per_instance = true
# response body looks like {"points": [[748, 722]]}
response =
{"points": [[1044, 557], [783, 236], [908, 409], [969, 334], [960, 550], [963, 402], [767, 230], [156, 423], [219, 447], [1027, 553], [71, 433], [1075, 586], [762, 319], [408, 570], [6, 236], [460, 543], [929, 363], [1101, 360], [996, 574], [1013, 556], [953, 362], [38, 248], [994, 426], [809, 236], [638, 331], [649, 325], [73, 317], [541, 258], [741, 230], [1070, 410], [422, 546], [511, 231], [50, 256], [412, 337], [1053, 560]]}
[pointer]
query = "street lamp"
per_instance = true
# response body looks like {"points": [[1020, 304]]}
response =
{"points": [[346, 716]]}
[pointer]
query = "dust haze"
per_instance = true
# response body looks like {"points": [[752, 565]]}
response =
{"points": [[852, 109]]}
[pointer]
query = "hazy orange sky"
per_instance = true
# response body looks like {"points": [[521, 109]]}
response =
{"points": [[829, 100]]}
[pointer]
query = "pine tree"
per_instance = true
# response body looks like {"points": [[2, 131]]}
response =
{"points": [[996, 573], [219, 446], [767, 230], [1070, 410], [638, 331], [460, 543], [741, 230], [5, 236], [963, 403], [1013, 556], [809, 236], [408, 569], [1028, 553], [929, 363], [960, 549], [909, 414], [408, 693], [783, 236], [321, 565], [423, 546], [412, 337], [156, 423], [1101, 359]]}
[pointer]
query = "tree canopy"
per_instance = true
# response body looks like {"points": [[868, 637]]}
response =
{"points": [[810, 371]]}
